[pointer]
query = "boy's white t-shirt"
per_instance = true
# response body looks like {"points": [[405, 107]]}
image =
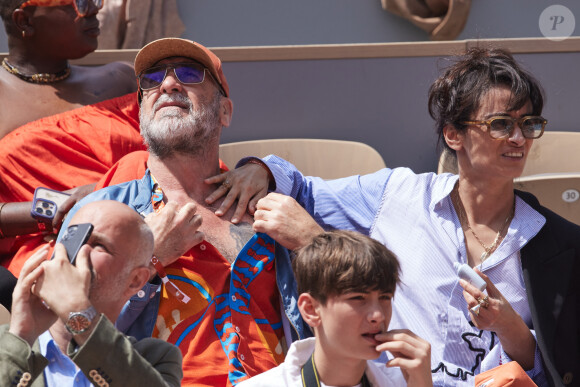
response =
{"points": [[288, 373]]}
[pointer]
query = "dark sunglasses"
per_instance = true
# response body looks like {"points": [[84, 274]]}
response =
{"points": [[186, 73], [81, 6], [503, 126]]}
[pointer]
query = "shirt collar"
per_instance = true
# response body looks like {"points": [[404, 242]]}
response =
{"points": [[47, 344], [442, 191], [50, 350]]}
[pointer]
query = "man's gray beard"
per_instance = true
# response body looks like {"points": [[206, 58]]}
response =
{"points": [[171, 133]]}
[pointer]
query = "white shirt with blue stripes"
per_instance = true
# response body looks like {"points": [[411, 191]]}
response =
{"points": [[414, 217]]}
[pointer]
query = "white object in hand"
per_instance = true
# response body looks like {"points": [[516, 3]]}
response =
{"points": [[464, 271]]}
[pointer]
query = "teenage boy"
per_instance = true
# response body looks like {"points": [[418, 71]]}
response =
{"points": [[346, 283]]}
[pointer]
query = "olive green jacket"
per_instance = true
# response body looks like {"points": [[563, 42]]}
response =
{"points": [[107, 358]]}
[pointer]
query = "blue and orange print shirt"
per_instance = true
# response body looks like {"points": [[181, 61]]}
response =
{"points": [[241, 316]]}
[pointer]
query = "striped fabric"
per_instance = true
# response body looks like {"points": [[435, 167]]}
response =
{"points": [[414, 217]]}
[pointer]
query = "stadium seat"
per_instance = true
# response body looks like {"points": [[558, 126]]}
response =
{"points": [[560, 192], [329, 159]]}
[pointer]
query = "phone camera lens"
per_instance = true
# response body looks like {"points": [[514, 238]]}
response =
{"points": [[49, 212], [69, 233], [39, 210], [45, 204]]}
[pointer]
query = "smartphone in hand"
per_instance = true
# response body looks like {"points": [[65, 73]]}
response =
{"points": [[45, 204], [74, 238]]}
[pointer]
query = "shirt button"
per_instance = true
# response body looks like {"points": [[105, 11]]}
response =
{"points": [[141, 293], [242, 357], [237, 329], [202, 247], [234, 298], [567, 379]]}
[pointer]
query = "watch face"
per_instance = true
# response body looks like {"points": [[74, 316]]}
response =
{"points": [[78, 323]]}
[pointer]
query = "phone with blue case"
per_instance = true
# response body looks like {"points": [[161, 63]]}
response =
{"points": [[45, 204]]}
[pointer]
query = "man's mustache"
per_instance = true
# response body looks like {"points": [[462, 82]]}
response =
{"points": [[172, 98]]}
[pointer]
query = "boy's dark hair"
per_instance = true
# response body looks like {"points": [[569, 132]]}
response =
{"points": [[338, 262]]}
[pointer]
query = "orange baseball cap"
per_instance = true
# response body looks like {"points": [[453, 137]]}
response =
{"points": [[170, 47]]}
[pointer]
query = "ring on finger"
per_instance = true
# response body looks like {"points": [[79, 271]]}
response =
{"points": [[226, 184], [484, 302], [475, 309]]}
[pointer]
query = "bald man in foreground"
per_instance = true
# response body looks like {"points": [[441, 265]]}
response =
{"points": [[63, 308]]}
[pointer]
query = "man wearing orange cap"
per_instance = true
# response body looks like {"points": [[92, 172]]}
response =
{"points": [[229, 301]]}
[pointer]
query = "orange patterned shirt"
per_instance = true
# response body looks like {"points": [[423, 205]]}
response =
{"points": [[231, 328]]}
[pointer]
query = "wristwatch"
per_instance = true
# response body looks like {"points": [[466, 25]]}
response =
{"points": [[78, 322]]}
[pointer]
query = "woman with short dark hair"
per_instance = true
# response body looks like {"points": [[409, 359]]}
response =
{"points": [[488, 113]]}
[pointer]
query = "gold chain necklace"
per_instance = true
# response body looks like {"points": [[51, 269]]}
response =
{"points": [[464, 220], [37, 78]]}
